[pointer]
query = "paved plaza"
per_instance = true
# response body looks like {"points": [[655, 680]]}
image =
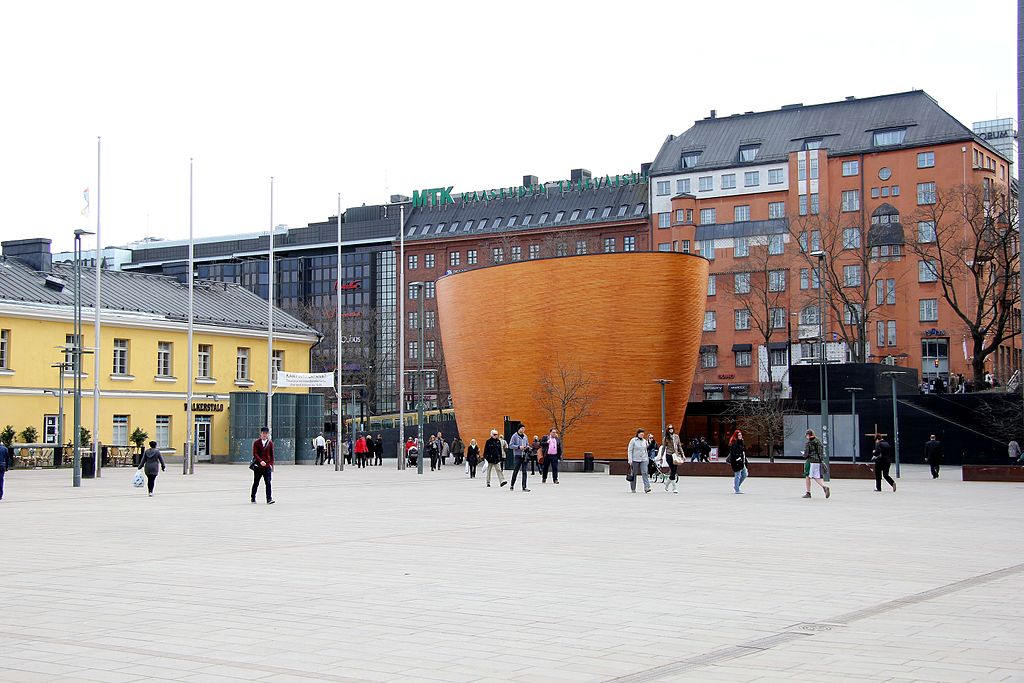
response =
{"points": [[382, 575]]}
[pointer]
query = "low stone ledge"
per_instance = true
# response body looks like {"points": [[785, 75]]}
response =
{"points": [[1008, 473]]}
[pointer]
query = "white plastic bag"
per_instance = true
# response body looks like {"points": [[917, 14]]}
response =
{"points": [[139, 480]]}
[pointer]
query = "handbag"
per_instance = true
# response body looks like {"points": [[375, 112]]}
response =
{"points": [[630, 477], [253, 464], [138, 480]]}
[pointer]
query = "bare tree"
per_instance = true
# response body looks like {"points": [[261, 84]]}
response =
{"points": [[855, 262], [567, 395], [569, 243], [760, 295], [763, 417], [968, 240]]}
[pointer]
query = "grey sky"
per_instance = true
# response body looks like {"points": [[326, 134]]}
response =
{"points": [[376, 98]]}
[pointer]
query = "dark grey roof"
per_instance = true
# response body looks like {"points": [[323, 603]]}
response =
{"points": [[845, 126], [162, 298], [550, 202], [773, 226]]}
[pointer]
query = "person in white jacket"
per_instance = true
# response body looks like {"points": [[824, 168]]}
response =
{"points": [[637, 461]]}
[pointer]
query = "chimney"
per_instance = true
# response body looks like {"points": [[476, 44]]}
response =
{"points": [[33, 252], [530, 180], [577, 175], [714, 114]]}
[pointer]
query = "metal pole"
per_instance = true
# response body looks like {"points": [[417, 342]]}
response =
{"points": [[270, 317], [1020, 164], [76, 359], [97, 449], [663, 382], [190, 458], [421, 384], [824, 366], [339, 432], [401, 336], [853, 417], [60, 408], [895, 426]]}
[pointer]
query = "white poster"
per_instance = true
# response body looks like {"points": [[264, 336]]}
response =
{"points": [[304, 379]]}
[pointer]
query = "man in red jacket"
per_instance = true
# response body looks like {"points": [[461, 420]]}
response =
{"points": [[262, 463]]}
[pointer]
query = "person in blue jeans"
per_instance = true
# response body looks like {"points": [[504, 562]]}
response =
{"points": [[521, 448], [551, 450], [738, 460], [6, 462]]}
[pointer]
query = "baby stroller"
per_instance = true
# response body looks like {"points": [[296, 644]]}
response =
{"points": [[411, 455], [657, 470]]}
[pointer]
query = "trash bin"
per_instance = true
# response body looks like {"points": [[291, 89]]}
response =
{"points": [[88, 466], [588, 462], [58, 456]]}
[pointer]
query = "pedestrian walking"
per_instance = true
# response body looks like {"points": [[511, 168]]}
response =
{"points": [[672, 451], [433, 452], [813, 455], [378, 450], [472, 457], [534, 454], [882, 457], [493, 454], [445, 449], [636, 459], [262, 464], [521, 449], [320, 445], [346, 447], [329, 451], [362, 451], [551, 449], [153, 463], [458, 450], [933, 455], [738, 460], [652, 455], [1015, 452], [6, 463], [704, 450]]}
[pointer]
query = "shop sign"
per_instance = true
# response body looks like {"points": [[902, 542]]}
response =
{"points": [[439, 196], [727, 375], [935, 333], [714, 387], [355, 284], [996, 134], [205, 407]]}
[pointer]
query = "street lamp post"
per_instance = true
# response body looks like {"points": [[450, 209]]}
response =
{"points": [[853, 417], [823, 368], [60, 399], [662, 382], [420, 383], [76, 359], [895, 418]]}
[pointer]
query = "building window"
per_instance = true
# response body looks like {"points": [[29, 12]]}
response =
{"points": [[470, 259], [705, 183], [712, 285], [414, 320], [815, 204], [925, 159], [204, 369], [120, 357], [559, 216], [683, 186], [728, 181], [638, 210], [890, 328], [929, 310], [534, 251], [527, 218], [802, 205], [851, 200], [453, 227], [742, 318], [809, 316], [775, 244], [708, 217], [851, 168], [430, 319], [455, 258], [414, 261], [740, 247], [517, 253], [497, 255], [885, 291], [574, 215], [776, 280], [748, 153], [689, 159], [707, 249], [622, 210], [775, 176], [777, 318], [664, 187], [665, 219], [163, 432], [812, 143], [884, 138], [815, 240], [581, 247], [429, 290], [744, 359], [414, 291], [664, 246], [751, 178], [276, 364], [119, 433], [801, 167], [543, 218], [629, 243], [590, 213], [851, 276], [414, 350], [709, 357], [741, 213], [562, 249], [852, 314], [685, 246], [429, 348], [5, 350], [242, 364], [776, 209], [428, 261], [163, 359], [710, 323], [814, 167], [741, 283], [926, 193], [680, 215], [851, 238], [927, 271]]}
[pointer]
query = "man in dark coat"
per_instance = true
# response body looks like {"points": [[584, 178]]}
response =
{"points": [[883, 459], [933, 455], [262, 463]]}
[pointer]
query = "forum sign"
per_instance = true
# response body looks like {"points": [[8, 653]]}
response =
{"points": [[439, 196]]}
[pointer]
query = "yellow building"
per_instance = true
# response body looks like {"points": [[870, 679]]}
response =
{"points": [[143, 376]]}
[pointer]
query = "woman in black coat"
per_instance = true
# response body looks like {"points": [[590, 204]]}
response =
{"points": [[738, 460], [472, 457], [151, 461]]}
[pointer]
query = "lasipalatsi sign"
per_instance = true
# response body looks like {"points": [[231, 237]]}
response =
{"points": [[304, 379], [439, 196]]}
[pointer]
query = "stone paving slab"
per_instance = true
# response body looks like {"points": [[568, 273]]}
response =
{"points": [[381, 575]]}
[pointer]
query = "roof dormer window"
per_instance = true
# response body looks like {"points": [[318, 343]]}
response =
{"points": [[813, 143], [689, 159], [886, 138], [749, 152]]}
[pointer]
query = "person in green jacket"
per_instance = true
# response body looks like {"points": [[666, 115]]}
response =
{"points": [[813, 454]]}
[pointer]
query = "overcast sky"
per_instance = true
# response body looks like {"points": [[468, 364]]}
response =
{"points": [[374, 98]]}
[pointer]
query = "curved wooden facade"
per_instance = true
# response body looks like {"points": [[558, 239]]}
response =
{"points": [[626, 318]]}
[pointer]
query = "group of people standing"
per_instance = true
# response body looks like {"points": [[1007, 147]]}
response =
{"points": [[543, 452]]}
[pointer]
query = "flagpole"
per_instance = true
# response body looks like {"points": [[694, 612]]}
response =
{"points": [[189, 459], [270, 317], [97, 463], [339, 460], [401, 339]]}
